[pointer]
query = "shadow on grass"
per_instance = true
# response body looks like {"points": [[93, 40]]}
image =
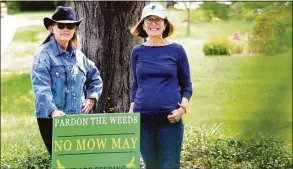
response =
{"points": [[273, 115]]}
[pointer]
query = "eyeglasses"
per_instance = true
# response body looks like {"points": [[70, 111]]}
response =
{"points": [[67, 25], [155, 20]]}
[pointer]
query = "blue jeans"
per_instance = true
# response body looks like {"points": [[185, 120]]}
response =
{"points": [[161, 141]]}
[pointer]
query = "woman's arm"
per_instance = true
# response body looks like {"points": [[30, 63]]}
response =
{"points": [[185, 87], [184, 77], [93, 83], [134, 80], [41, 83]]}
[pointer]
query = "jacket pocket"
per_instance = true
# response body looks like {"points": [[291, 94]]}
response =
{"points": [[57, 71]]}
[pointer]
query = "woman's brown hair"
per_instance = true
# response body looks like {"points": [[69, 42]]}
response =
{"points": [[138, 30]]}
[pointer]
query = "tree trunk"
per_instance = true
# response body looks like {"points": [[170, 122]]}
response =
{"points": [[106, 39], [188, 21]]}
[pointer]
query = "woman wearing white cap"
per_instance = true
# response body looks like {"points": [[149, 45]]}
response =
{"points": [[61, 73], [161, 89]]}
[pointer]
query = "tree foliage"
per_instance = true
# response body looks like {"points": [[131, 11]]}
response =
{"points": [[219, 10], [257, 5], [237, 11], [31, 5], [272, 31]]}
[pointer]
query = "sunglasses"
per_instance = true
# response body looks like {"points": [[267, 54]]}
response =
{"points": [[67, 25]]}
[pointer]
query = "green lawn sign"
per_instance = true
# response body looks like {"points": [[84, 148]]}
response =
{"points": [[96, 141]]}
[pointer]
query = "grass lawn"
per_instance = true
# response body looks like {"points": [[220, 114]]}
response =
{"points": [[207, 30], [247, 94], [20, 137]]}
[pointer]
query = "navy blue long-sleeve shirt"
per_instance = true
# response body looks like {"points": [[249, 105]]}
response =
{"points": [[161, 77]]}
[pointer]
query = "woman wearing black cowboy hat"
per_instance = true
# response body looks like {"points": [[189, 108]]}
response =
{"points": [[60, 73]]}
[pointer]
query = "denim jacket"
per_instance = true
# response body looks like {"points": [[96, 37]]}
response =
{"points": [[61, 79]]}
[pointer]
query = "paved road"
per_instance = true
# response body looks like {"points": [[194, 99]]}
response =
{"points": [[9, 24]]}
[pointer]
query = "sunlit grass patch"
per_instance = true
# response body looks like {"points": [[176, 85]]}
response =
{"points": [[29, 34], [17, 95], [207, 30]]}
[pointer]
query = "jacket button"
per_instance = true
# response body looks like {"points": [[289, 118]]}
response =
{"points": [[57, 73]]}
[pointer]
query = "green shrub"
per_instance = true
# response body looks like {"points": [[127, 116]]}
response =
{"points": [[201, 149], [13, 7], [240, 46], [201, 15], [239, 11], [38, 160], [218, 46], [272, 31], [24, 153]]}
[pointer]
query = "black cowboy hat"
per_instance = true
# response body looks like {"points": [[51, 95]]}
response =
{"points": [[62, 15]]}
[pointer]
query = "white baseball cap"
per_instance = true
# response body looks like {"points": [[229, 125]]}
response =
{"points": [[154, 9]]}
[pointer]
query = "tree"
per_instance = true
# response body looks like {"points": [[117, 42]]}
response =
{"points": [[257, 5], [188, 6], [105, 39], [272, 29], [219, 9], [237, 11]]}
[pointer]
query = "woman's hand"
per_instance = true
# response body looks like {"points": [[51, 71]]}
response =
{"points": [[57, 113], [87, 105], [176, 115]]}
